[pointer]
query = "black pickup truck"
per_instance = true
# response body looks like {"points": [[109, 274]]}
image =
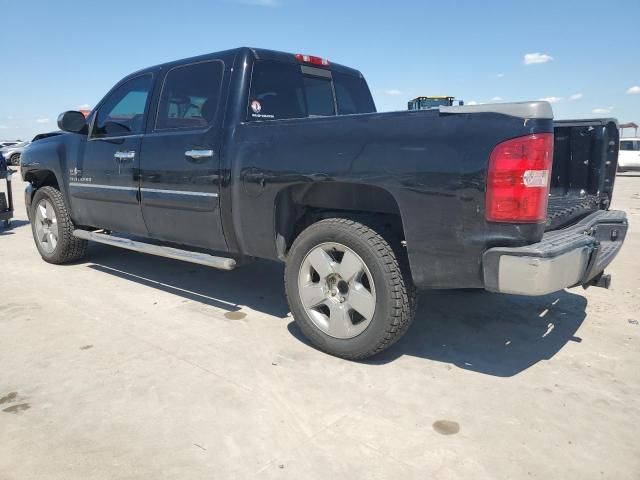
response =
{"points": [[251, 153]]}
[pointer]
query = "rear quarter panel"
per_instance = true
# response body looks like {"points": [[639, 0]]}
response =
{"points": [[433, 164]]}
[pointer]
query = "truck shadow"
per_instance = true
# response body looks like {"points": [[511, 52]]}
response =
{"points": [[499, 335], [494, 334], [14, 224], [258, 285]]}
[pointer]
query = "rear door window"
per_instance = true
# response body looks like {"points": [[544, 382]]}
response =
{"points": [[190, 96]]}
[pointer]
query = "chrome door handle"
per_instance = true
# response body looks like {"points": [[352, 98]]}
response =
{"points": [[196, 154], [125, 156]]}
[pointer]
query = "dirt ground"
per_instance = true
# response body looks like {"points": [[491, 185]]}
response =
{"points": [[126, 366]]}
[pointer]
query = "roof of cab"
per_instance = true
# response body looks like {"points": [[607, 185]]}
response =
{"points": [[258, 54]]}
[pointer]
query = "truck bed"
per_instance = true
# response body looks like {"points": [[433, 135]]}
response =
{"points": [[565, 209], [583, 172]]}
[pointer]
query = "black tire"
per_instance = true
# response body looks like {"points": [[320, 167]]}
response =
{"points": [[68, 247], [395, 295], [14, 159]]}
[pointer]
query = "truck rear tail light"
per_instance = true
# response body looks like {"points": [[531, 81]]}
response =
{"points": [[518, 179], [312, 60]]}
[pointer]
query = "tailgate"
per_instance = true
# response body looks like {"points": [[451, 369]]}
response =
{"points": [[584, 168]]}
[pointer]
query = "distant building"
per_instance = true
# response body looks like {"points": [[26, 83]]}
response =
{"points": [[622, 126]]}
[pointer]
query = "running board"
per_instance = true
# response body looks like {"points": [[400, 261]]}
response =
{"points": [[168, 252]]}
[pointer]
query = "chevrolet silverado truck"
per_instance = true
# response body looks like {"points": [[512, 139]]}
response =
{"points": [[252, 153]]}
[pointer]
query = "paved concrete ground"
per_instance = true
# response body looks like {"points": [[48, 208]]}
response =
{"points": [[127, 366]]}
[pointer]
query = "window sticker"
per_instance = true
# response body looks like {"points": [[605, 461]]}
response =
{"points": [[256, 108]]}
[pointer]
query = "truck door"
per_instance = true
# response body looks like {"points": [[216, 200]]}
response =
{"points": [[104, 185], [180, 165]]}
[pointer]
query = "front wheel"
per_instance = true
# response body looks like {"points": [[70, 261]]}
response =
{"points": [[15, 159], [346, 289], [52, 228]]}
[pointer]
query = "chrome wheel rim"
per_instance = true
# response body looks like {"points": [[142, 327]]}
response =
{"points": [[337, 290], [46, 224]]}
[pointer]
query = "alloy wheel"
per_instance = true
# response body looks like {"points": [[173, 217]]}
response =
{"points": [[337, 290]]}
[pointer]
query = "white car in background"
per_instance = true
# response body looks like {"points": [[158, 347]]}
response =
{"points": [[629, 155], [12, 153]]}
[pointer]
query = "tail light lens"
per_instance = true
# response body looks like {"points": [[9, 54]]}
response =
{"points": [[518, 179]]}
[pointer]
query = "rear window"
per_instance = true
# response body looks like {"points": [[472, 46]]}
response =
{"points": [[276, 92], [352, 94], [319, 96], [287, 90]]}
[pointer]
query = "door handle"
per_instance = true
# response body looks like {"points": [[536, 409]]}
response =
{"points": [[125, 156], [197, 154]]}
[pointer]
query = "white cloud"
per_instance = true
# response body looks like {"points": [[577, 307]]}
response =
{"points": [[497, 99], [575, 96], [500, 75], [472, 102], [42, 120], [633, 90], [533, 58], [3, 127], [393, 92], [602, 110], [551, 99]]}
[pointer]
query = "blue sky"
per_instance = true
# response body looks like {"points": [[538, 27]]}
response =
{"points": [[586, 53]]}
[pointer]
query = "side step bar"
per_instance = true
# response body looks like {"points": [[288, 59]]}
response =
{"points": [[168, 252]]}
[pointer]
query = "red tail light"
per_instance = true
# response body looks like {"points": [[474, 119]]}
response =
{"points": [[518, 179], [312, 60]]}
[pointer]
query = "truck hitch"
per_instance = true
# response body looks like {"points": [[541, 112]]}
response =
{"points": [[601, 280]]}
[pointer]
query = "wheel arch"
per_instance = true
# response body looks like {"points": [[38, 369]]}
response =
{"points": [[39, 179], [298, 206]]}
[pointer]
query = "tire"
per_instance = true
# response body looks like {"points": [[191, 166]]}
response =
{"points": [[344, 323], [54, 220], [14, 159]]}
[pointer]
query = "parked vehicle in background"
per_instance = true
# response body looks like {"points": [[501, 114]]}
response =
{"points": [[629, 156], [12, 153], [40, 136], [425, 103], [254, 153], [8, 143]]}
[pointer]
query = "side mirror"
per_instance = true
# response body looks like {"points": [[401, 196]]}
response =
{"points": [[72, 121]]}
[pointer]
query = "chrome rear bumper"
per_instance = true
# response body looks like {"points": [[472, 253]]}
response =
{"points": [[575, 255]]}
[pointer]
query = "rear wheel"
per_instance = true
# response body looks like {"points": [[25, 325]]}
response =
{"points": [[346, 289], [53, 229], [14, 159]]}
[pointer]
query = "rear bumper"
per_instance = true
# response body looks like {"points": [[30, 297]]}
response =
{"points": [[573, 256]]}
